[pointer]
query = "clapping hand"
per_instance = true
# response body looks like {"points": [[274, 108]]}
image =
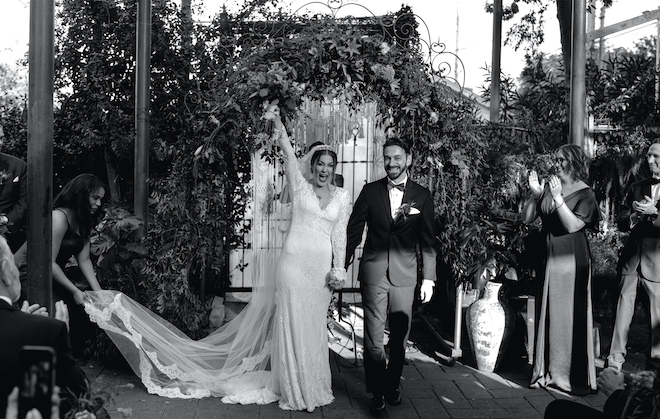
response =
{"points": [[62, 312], [34, 309], [645, 206], [555, 187], [644, 379], [534, 186]]}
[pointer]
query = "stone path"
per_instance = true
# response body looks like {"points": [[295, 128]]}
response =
{"points": [[431, 389]]}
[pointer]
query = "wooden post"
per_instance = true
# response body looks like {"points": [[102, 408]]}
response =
{"points": [[495, 74], [40, 153], [601, 40], [577, 116], [657, 64], [591, 26], [142, 93]]}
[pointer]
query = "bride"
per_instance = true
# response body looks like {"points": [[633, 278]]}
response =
{"points": [[276, 349]]}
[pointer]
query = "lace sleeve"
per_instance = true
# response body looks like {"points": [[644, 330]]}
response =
{"points": [[338, 237], [291, 168]]}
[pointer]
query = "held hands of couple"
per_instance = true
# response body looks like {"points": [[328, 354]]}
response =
{"points": [[335, 279]]}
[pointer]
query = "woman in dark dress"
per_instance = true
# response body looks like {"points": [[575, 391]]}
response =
{"points": [[564, 346], [76, 210]]}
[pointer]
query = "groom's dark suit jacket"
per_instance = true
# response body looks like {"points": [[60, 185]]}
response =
{"points": [[643, 247], [393, 243], [18, 329], [13, 195]]}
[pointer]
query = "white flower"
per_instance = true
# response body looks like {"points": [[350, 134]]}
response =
{"points": [[384, 48]]}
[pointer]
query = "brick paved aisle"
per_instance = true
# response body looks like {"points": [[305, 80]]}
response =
{"points": [[430, 389]]}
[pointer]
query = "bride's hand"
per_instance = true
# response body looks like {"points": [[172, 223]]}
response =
{"points": [[273, 114], [335, 279], [535, 187]]}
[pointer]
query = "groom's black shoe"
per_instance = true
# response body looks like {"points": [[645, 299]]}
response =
{"points": [[393, 398], [377, 404]]}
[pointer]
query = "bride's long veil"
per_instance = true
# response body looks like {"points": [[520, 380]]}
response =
{"points": [[234, 359]]}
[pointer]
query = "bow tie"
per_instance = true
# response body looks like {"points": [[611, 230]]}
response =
{"points": [[654, 180], [399, 186]]}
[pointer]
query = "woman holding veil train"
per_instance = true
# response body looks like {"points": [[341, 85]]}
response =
{"points": [[277, 347]]}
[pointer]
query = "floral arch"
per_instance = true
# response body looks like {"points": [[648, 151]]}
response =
{"points": [[341, 80]]}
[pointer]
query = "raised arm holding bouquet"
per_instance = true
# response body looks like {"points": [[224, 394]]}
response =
{"points": [[276, 349]]}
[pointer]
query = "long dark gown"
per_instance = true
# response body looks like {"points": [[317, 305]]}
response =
{"points": [[564, 345], [81, 329]]}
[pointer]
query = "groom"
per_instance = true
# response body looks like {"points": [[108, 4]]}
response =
{"points": [[400, 224]]}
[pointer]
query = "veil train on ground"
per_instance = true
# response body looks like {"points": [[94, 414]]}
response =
{"points": [[233, 360]]}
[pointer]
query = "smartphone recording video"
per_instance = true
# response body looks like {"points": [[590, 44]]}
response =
{"points": [[37, 366]]}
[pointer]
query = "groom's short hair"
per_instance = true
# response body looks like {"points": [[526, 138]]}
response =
{"points": [[397, 142]]}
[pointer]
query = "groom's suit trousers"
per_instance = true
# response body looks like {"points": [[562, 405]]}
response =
{"points": [[382, 301]]}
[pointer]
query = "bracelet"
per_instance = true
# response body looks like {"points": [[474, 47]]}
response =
{"points": [[562, 203]]}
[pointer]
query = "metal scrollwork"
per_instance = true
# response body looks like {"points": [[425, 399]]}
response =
{"points": [[225, 53]]}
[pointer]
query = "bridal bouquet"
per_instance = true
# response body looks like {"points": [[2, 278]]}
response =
{"points": [[274, 86], [335, 279]]}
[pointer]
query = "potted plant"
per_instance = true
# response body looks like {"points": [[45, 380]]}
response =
{"points": [[507, 259]]}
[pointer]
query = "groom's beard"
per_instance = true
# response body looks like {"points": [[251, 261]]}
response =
{"points": [[396, 174]]}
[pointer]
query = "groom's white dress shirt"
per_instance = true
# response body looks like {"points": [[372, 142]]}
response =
{"points": [[396, 195]]}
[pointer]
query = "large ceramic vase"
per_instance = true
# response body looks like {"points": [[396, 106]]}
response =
{"points": [[488, 323]]}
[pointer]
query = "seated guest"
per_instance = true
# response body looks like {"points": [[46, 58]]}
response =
{"points": [[19, 328]]}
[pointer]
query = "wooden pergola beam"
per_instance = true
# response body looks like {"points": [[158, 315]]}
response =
{"points": [[626, 24]]}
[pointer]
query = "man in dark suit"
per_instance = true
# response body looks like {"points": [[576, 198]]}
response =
{"points": [[639, 263], [13, 197], [19, 328], [400, 226]]}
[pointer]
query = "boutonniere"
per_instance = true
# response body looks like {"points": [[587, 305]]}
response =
{"points": [[406, 209], [4, 176]]}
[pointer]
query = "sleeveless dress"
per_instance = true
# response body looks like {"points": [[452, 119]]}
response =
{"points": [[564, 347], [72, 244], [80, 328], [263, 355]]}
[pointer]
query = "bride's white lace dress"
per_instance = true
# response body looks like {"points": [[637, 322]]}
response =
{"points": [[276, 348]]}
